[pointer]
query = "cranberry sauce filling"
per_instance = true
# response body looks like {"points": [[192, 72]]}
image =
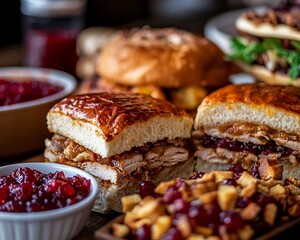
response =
{"points": [[17, 92], [236, 146], [29, 190]]}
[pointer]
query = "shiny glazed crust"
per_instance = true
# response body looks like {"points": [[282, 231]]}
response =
{"points": [[283, 97], [276, 106], [166, 57], [111, 123]]}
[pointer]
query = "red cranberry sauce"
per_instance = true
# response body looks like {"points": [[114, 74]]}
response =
{"points": [[56, 49], [17, 92], [269, 147], [29, 190]]}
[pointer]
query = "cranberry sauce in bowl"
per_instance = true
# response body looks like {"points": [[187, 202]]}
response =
{"points": [[26, 95], [12, 92], [29, 190], [42, 197], [26, 86]]}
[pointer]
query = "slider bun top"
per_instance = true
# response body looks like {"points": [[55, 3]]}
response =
{"points": [[266, 29], [165, 57], [111, 123], [276, 106]]}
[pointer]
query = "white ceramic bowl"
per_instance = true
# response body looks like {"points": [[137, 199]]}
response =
{"points": [[59, 224], [23, 125]]}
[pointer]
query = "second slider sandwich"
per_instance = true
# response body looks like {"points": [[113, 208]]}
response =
{"points": [[249, 122], [269, 43], [166, 63], [122, 139]]}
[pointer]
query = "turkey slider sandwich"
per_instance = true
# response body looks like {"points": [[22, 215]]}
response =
{"points": [[269, 43], [246, 123], [122, 139], [166, 63]]}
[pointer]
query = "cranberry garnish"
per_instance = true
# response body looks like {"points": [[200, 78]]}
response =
{"points": [[237, 170], [255, 171], [33, 206], [143, 233], [208, 217], [67, 191], [229, 182], [171, 194], [81, 184], [263, 200], [147, 189], [179, 182], [21, 192], [181, 206], [4, 192], [242, 202], [232, 220], [196, 175], [13, 206], [25, 174], [33, 191], [5, 180], [172, 234]]}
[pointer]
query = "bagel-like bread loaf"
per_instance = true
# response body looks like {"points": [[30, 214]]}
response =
{"points": [[111, 123], [276, 106], [166, 57]]}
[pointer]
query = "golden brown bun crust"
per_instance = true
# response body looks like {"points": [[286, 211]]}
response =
{"points": [[111, 112], [166, 57], [279, 96]]}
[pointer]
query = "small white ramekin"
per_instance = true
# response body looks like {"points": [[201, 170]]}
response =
{"points": [[59, 224]]}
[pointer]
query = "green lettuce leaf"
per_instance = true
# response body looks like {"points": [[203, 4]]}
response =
{"points": [[248, 52]]}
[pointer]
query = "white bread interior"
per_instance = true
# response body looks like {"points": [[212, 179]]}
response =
{"points": [[213, 115], [109, 200], [137, 134], [266, 29], [263, 74]]}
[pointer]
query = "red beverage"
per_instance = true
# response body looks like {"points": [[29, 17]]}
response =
{"points": [[50, 32], [51, 49]]}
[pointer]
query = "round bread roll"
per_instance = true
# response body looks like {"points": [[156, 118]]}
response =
{"points": [[166, 57]]}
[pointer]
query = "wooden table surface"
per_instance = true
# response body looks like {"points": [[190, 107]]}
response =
{"points": [[97, 220]]}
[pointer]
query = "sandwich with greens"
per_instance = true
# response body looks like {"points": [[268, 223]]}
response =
{"points": [[268, 45]]}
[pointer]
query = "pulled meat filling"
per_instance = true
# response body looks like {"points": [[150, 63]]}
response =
{"points": [[164, 152]]}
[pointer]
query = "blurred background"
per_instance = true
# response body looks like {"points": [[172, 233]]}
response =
{"points": [[186, 14]]}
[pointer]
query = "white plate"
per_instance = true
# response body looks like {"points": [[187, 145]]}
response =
{"points": [[221, 28]]}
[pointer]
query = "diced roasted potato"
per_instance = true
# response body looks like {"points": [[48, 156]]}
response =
{"points": [[128, 202], [227, 196]]}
